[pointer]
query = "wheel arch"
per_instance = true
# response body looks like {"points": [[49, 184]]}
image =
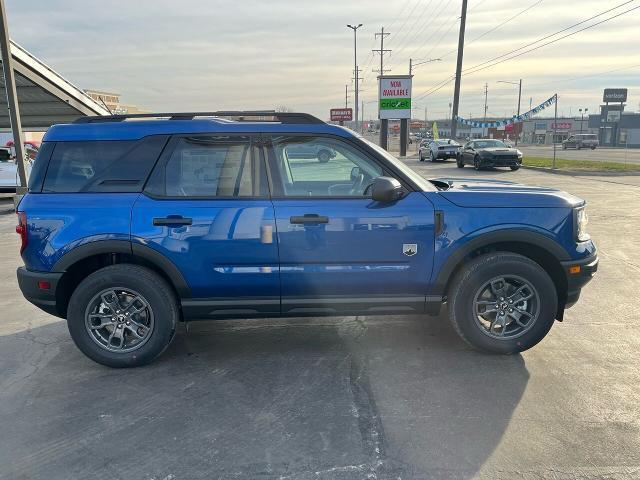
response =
{"points": [[542, 250], [86, 259]]}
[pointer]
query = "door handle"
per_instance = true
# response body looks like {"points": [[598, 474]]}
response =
{"points": [[172, 221], [309, 218]]}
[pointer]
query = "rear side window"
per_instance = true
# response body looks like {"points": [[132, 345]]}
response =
{"points": [[210, 166], [39, 168], [102, 166]]}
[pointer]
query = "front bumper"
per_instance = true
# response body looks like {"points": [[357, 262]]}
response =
{"points": [[579, 273], [31, 284], [500, 162]]}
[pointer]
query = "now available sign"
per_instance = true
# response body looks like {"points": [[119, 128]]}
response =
{"points": [[394, 94]]}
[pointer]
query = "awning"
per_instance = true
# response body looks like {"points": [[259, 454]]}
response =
{"points": [[45, 98]]}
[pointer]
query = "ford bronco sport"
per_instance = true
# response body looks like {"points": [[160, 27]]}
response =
{"points": [[134, 223]]}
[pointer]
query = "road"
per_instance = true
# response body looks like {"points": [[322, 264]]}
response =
{"points": [[340, 398]]}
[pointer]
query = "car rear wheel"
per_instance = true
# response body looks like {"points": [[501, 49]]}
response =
{"points": [[459, 162], [476, 162], [122, 315], [593, 147], [432, 157], [323, 156], [421, 157], [502, 303]]}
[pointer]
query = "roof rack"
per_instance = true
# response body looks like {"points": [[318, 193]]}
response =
{"points": [[272, 116]]}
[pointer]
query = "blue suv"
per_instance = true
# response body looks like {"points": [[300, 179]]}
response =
{"points": [[135, 223]]}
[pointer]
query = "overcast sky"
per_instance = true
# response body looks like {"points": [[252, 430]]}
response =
{"points": [[252, 54]]}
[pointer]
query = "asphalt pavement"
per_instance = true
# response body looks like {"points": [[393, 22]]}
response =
{"points": [[340, 398]]}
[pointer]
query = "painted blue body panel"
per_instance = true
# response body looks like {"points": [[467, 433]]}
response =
{"points": [[59, 223], [359, 252], [229, 251]]}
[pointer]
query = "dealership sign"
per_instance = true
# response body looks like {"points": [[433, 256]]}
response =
{"points": [[341, 114], [614, 95], [394, 95], [561, 126]]}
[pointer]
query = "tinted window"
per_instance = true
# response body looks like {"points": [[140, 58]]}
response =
{"points": [[489, 144], [39, 168], [319, 166], [102, 166], [211, 166]]}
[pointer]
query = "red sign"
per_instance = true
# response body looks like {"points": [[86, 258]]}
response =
{"points": [[508, 128], [341, 114], [561, 126]]}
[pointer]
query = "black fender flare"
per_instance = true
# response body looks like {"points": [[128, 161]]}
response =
{"points": [[136, 250], [488, 239]]}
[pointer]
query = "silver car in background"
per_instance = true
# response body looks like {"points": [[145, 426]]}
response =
{"points": [[581, 140], [438, 149]]}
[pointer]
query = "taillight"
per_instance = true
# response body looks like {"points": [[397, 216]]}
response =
{"points": [[21, 229]]}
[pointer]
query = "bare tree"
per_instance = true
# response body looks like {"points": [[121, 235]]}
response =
{"points": [[283, 109]]}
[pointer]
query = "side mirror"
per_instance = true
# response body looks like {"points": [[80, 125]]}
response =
{"points": [[386, 190]]}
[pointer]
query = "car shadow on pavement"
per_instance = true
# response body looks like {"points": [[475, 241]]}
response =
{"points": [[347, 398]]}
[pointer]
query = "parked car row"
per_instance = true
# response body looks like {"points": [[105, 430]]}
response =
{"points": [[480, 153]]}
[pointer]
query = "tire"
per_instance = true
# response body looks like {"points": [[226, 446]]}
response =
{"points": [[476, 163], [564, 147], [159, 309], [514, 167], [593, 147], [459, 163], [421, 157], [323, 156], [486, 268]]}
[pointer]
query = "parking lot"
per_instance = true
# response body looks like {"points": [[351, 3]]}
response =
{"points": [[341, 398]]}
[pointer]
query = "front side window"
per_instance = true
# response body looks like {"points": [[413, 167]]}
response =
{"points": [[321, 167], [210, 166]]}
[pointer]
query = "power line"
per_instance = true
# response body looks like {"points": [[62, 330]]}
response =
{"points": [[405, 40], [493, 29], [554, 34], [475, 69]]}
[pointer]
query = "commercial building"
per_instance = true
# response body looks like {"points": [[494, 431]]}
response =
{"points": [[546, 131], [111, 100], [614, 126]]}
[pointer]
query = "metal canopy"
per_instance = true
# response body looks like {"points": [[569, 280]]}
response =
{"points": [[44, 97]]}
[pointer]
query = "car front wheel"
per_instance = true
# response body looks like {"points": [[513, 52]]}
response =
{"points": [[459, 162], [476, 162], [514, 167], [502, 303], [122, 315]]}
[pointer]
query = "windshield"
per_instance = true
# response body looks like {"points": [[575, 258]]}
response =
{"points": [[445, 142], [490, 144], [416, 178]]}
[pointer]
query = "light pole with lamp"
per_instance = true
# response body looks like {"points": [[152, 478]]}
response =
{"points": [[355, 70], [582, 114], [413, 64], [519, 83]]}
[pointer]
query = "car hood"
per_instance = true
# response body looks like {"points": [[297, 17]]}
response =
{"points": [[471, 192], [498, 150]]}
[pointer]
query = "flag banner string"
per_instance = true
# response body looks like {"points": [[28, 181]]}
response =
{"points": [[508, 121]]}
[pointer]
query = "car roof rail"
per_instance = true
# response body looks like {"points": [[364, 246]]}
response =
{"points": [[239, 115]]}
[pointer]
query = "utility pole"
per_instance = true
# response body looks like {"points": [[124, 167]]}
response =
{"points": [[486, 93], [384, 123], [346, 96], [456, 92], [12, 99], [381, 51], [362, 116], [355, 72]]}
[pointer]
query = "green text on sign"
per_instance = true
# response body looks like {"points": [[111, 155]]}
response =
{"points": [[395, 104]]}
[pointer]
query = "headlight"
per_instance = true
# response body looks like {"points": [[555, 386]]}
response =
{"points": [[581, 221], [519, 154]]}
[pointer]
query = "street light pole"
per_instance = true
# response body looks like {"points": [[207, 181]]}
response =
{"points": [[582, 114], [519, 84], [355, 70], [412, 64]]}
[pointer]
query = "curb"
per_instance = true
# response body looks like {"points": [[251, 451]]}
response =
{"points": [[584, 173]]}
